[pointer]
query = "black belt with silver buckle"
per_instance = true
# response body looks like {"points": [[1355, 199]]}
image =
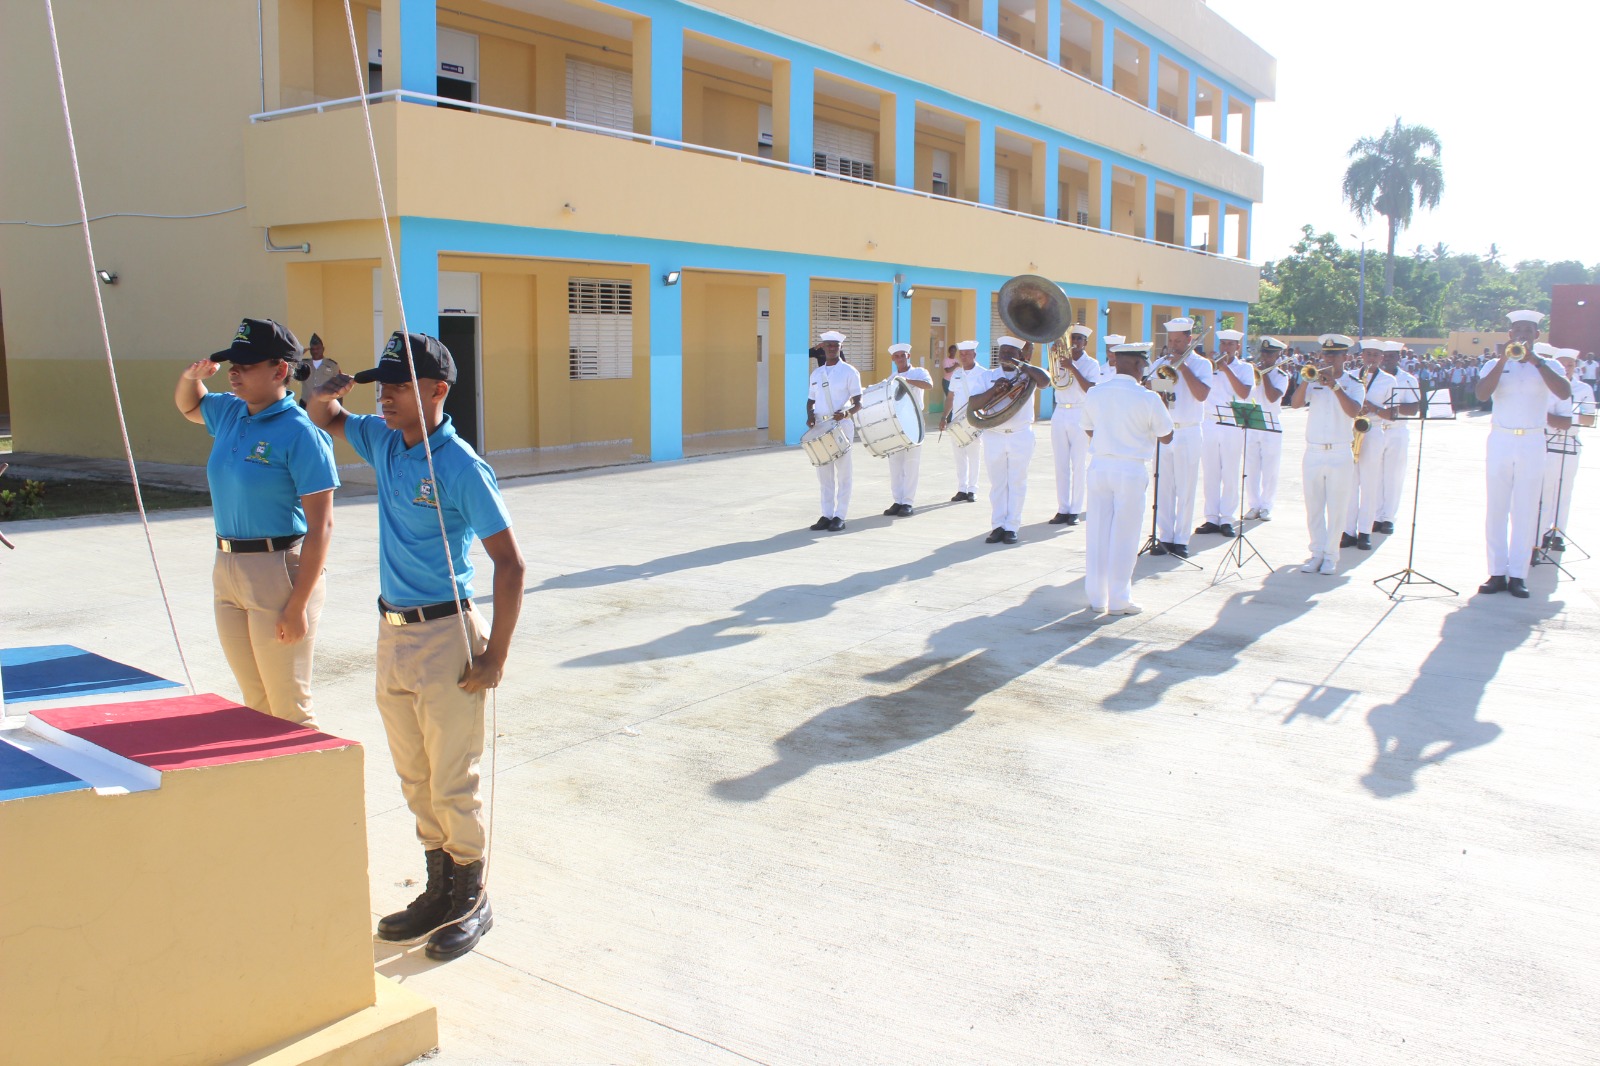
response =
{"points": [[406, 616], [235, 546]]}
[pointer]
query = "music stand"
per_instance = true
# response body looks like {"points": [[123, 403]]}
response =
{"points": [[1434, 406], [1563, 443], [1246, 417], [1155, 509]]}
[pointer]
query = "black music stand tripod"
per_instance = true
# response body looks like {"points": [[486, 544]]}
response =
{"points": [[1410, 575], [1562, 443], [1247, 417], [1155, 509]]}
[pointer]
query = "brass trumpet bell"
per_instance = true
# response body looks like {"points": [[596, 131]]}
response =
{"points": [[1516, 350], [1034, 308], [1310, 373], [1166, 372]]}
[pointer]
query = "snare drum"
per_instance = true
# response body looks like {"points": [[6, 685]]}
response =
{"points": [[890, 418], [825, 442], [963, 431]]}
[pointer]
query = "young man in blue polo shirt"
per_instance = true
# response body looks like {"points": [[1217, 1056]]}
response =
{"points": [[430, 691]]}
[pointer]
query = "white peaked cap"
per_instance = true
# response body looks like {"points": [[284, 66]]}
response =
{"points": [[1229, 335], [967, 346], [832, 335], [1080, 329], [1179, 325], [1137, 348], [899, 349], [1526, 316], [1114, 339], [1338, 340], [1272, 344], [1011, 341], [1548, 351]]}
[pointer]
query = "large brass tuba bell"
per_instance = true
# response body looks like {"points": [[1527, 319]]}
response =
{"points": [[1035, 308]]}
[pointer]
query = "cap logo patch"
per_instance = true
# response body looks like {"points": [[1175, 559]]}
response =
{"points": [[244, 332]]}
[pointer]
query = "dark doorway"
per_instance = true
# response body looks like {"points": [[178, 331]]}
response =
{"points": [[455, 89], [460, 334]]}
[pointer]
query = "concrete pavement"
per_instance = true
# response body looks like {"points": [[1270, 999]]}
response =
{"points": [[893, 795]]}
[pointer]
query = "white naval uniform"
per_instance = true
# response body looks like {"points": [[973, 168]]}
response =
{"points": [[833, 388], [1263, 452], [905, 466], [1560, 468], [1367, 493], [1327, 467], [1222, 448], [1006, 451], [1397, 447], [1126, 418], [1179, 462], [1515, 467], [1068, 441], [967, 456]]}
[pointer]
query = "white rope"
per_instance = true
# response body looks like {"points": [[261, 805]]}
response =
{"points": [[115, 214], [105, 340], [416, 388]]}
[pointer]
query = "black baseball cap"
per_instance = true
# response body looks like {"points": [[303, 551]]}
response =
{"points": [[258, 340], [431, 359]]}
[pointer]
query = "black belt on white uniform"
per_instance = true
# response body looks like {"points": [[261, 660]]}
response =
{"points": [[405, 616], [235, 546]]}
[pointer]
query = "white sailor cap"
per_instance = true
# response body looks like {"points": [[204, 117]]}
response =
{"points": [[1335, 342], [831, 335], [1371, 344], [899, 349], [1393, 346], [1272, 344], [1526, 316], [1180, 325], [1080, 329], [1012, 342], [966, 346], [1229, 335], [1567, 353], [1546, 351], [1139, 348], [1114, 339]]}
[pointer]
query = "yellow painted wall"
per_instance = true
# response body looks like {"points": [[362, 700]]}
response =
{"points": [[719, 346]]}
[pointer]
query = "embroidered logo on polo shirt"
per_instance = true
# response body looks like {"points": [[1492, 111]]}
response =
{"points": [[261, 453], [424, 496]]}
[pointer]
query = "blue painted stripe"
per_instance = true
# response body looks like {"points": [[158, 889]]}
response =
{"points": [[61, 671], [23, 774]]}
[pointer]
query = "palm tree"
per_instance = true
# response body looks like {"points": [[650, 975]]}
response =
{"points": [[1390, 175]]}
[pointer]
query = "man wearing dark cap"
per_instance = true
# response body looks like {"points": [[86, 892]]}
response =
{"points": [[271, 474], [430, 690], [317, 370]]}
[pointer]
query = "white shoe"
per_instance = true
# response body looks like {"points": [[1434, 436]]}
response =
{"points": [[1312, 565], [1263, 515], [1329, 567], [1097, 609], [1132, 608], [1252, 515]]}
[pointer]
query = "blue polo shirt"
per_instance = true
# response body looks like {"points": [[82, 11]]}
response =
{"points": [[411, 569], [262, 464]]}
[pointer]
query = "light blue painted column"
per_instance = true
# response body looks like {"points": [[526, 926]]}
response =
{"points": [[1147, 314], [419, 280], [666, 365], [991, 17], [1108, 54], [1222, 123], [666, 85], [1150, 207], [1154, 76], [419, 48], [1194, 89], [1052, 31], [1105, 195], [1052, 179], [796, 363], [802, 106], [902, 317], [905, 142], [1249, 231], [986, 163], [1186, 206], [981, 333]]}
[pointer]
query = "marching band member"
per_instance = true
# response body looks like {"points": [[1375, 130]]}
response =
{"points": [[1396, 439], [1124, 421], [1008, 446], [1263, 452], [1521, 386], [1073, 375], [1362, 513], [1180, 460], [1222, 443], [1334, 398], [967, 455], [1561, 467], [904, 466], [835, 393]]}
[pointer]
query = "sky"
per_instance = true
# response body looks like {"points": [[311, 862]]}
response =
{"points": [[1513, 91]]}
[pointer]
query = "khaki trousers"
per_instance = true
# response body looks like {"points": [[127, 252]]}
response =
{"points": [[248, 594], [435, 729]]}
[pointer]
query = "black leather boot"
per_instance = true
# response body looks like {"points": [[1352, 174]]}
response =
{"points": [[428, 909], [466, 892]]}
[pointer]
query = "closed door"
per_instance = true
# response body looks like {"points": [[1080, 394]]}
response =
{"points": [[763, 359]]}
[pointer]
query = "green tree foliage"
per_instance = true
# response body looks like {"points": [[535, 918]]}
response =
{"points": [[1390, 175]]}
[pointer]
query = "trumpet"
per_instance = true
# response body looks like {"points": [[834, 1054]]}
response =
{"points": [[1311, 372], [1516, 350], [1167, 369]]}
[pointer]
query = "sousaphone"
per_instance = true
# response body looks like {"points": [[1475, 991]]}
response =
{"points": [[1034, 309]]}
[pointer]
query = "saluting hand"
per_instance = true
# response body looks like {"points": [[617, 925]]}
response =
{"points": [[335, 387], [200, 369]]}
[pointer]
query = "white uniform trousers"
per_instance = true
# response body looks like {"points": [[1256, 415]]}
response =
{"points": [[1222, 450], [1367, 492], [1179, 476], [1396, 450], [1006, 453], [1329, 475], [1116, 497], [1515, 476], [836, 478], [967, 465], [904, 468], [1558, 477], [1263, 455], [1070, 445]]}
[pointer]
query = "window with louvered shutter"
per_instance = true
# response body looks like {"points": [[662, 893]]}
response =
{"points": [[844, 150], [599, 96], [599, 329], [1083, 208], [856, 316], [997, 329], [1002, 188]]}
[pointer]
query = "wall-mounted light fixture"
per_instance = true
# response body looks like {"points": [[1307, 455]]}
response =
{"points": [[107, 277], [909, 291], [670, 277]]}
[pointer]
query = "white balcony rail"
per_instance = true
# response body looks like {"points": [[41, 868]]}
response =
{"points": [[408, 96]]}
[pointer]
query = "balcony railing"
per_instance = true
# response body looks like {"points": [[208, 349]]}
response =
{"points": [[408, 96]]}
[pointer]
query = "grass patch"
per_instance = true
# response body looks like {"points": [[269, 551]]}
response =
{"points": [[65, 498]]}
